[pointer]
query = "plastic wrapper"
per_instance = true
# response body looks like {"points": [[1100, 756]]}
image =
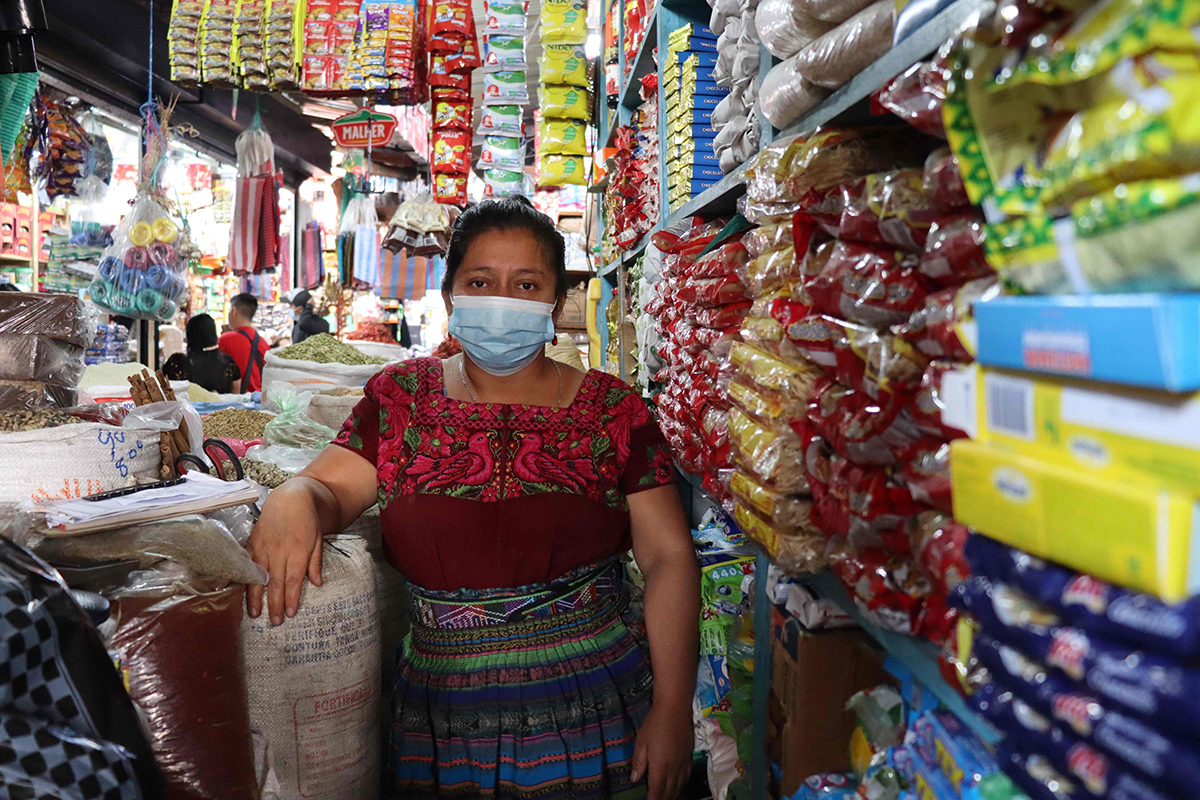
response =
{"points": [[564, 64], [142, 274], [722, 261], [859, 428], [797, 553], [451, 151], [1169, 760], [450, 16], [876, 363], [292, 427], [789, 514], [712, 291], [564, 22], [502, 152], [1159, 689], [848, 49], [502, 120], [202, 545], [863, 284], [450, 189], [562, 137], [954, 251], [1122, 615], [56, 316], [775, 268], [67, 700], [504, 52], [504, 17], [505, 87], [40, 358], [834, 11], [938, 544], [183, 660], [791, 380], [784, 27], [942, 327], [889, 208], [35, 394], [773, 455], [452, 114], [926, 472], [563, 102], [559, 170], [725, 316], [889, 589], [917, 96], [929, 405], [943, 182], [786, 95], [503, 183]]}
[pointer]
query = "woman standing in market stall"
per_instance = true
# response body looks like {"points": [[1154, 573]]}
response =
{"points": [[204, 364], [509, 486]]}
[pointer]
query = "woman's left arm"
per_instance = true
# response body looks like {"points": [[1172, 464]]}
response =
{"points": [[662, 545]]}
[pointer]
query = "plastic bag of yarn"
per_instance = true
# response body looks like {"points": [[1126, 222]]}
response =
{"points": [[142, 273]]}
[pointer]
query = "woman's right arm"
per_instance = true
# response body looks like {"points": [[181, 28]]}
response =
{"points": [[324, 498]]}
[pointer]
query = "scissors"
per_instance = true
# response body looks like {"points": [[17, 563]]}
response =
{"points": [[218, 452]]}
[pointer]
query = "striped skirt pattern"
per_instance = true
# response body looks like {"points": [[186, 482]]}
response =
{"points": [[536, 692]]}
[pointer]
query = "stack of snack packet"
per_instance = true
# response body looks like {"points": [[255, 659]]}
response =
{"points": [[563, 94], [455, 52], [501, 126]]}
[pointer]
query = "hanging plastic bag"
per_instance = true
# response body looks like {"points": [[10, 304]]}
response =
{"points": [[563, 102], [507, 18], [506, 87], [292, 427], [502, 152], [502, 120], [564, 22], [561, 171], [142, 274], [503, 52], [563, 137], [503, 183]]}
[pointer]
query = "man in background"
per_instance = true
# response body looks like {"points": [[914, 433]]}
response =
{"points": [[307, 322], [242, 343]]}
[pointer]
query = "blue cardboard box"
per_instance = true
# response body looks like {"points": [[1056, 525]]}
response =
{"points": [[1138, 339], [704, 58], [702, 172], [702, 87]]}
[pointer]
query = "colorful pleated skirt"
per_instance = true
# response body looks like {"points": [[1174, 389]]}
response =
{"points": [[536, 692]]}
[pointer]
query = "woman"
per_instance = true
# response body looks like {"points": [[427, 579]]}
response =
{"points": [[204, 364], [509, 485]]}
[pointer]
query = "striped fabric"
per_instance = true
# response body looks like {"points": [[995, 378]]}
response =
{"points": [[402, 277], [527, 693]]}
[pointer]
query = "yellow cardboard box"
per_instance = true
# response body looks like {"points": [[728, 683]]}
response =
{"points": [[1108, 429], [1128, 530]]}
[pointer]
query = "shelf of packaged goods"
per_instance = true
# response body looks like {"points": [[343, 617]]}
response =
{"points": [[611, 132], [843, 106], [643, 64], [13, 258], [610, 267], [923, 41]]}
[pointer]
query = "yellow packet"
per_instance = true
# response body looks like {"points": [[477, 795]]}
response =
{"points": [[564, 64], [558, 170], [563, 102], [563, 137], [564, 22]]}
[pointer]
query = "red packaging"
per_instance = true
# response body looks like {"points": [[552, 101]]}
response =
{"points": [[937, 541], [450, 16], [943, 182], [441, 75], [692, 242], [873, 362], [725, 260], [450, 189], [451, 151], [954, 251], [926, 472], [725, 316], [868, 285], [863, 430], [918, 94], [889, 208], [452, 114], [712, 291], [889, 589], [928, 404], [445, 43], [939, 328]]}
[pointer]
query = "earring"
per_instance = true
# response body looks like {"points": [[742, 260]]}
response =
{"points": [[554, 341]]}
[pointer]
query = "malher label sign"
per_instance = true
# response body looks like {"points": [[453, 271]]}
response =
{"points": [[364, 128]]}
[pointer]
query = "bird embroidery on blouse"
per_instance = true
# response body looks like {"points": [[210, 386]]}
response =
{"points": [[470, 467], [534, 465]]}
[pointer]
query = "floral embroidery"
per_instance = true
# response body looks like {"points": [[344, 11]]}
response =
{"points": [[428, 444]]}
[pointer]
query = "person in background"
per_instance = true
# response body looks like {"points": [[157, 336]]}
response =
{"points": [[204, 364], [307, 322], [242, 343], [5, 286]]}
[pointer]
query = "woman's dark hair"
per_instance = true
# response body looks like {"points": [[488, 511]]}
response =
{"points": [[201, 332], [509, 213]]}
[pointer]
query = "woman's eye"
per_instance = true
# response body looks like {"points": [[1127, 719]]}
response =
{"points": [[477, 284], [529, 287]]}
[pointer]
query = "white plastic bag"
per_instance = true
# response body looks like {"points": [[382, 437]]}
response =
{"points": [[848, 49], [313, 374], [785, 95], [785, 28], [142, 274]]}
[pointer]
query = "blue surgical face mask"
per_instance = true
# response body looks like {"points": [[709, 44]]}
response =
{"points": [[502, 335]]}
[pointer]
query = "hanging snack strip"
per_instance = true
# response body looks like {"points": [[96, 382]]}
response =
{"points": [[563, 94], [183, 41], [142, 273], [502, 157]]}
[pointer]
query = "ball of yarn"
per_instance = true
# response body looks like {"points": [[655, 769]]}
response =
{"points": [[137, 257], [100, 292], [110, 267], [132, 280], [163, 253], [158, 277], [141, 234], [149, 301]]}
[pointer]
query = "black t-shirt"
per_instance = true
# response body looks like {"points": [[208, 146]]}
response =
{"points": [[211, 369]]}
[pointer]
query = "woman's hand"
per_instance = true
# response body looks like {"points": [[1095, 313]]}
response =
{"points": [[286, 542], [337, 487], [664, 750]]}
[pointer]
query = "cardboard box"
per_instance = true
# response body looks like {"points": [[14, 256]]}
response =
{"points": [[1129, 531], [1109, 429], [1138, 339], [814, 675]]}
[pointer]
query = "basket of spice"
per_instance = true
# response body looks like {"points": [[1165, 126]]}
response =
{"points": [[240, 428]]}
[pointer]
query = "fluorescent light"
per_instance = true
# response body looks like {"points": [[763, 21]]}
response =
{"points": [[592, 48]]}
